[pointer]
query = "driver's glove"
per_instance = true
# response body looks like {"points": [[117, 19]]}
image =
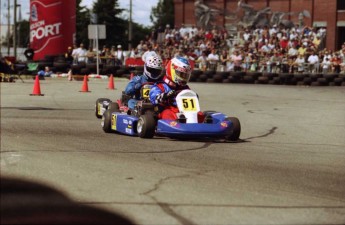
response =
{"points": [[169, 94], [137, 86], [161, 98]]}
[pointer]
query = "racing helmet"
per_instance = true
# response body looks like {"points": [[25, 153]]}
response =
{"points": [[153, 67], [178, 70]]}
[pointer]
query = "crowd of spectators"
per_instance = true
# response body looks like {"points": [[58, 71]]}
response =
{"points": [[268, 49]]}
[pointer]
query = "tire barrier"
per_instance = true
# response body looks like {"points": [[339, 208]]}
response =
{"points": [[61, 68], [330, 79]]}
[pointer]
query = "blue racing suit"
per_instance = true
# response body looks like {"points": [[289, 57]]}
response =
{"points": [[133, 89], [160, 91]]}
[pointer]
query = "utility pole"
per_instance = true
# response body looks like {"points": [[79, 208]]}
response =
{"points": [[8, 28], [130, 27], [0, 33], [15, 29]]}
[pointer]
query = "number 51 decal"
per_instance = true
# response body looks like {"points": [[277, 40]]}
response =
{"points": [[189, 104]]}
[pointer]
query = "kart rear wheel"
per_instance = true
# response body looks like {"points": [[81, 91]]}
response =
{"points": [[99, 104], [236, 129], [114, 106], [106, 121], [146, 126]]}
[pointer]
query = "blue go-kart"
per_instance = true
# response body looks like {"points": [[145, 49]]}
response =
{"points": [[143, 121]]}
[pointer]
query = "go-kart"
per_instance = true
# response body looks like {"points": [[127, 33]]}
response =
{"points": [[121, 105], [146, 123]]}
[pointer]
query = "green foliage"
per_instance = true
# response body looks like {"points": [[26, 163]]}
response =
{"points": [[23, 37], [163, 13], [108, 13], [82, 22]]}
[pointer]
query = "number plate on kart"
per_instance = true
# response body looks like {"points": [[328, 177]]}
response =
{"points": [[145, 92], [113, 121], [189, 104]]}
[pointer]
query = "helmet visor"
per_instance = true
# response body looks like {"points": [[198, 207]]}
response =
{"points": [[155, 73], [182, 76]]}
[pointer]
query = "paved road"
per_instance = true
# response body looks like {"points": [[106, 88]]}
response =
{"points": [[289, 167]]}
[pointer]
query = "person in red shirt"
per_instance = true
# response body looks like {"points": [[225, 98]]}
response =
{"points": [[335, 62], [208, 35], [284, 42]]}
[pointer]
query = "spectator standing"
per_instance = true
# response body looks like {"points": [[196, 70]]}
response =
{"points": [[90, 55], [202, 61], [134, 53], [336, 61], [236, 58], [213, 59], [299, 62], [326, 65], [313, 61], [80, 53], [68, 55], [224, 59], [119, 56]]}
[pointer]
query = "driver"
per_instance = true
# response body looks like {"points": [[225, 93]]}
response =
{"points": [[152, 73], [163, 93]]}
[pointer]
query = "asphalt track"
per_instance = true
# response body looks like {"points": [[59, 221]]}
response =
{"points": [[288, 168]]}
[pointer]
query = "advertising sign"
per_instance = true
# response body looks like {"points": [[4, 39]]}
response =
{"points": [[52, 26]]}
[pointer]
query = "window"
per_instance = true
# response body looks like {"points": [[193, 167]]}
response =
{"points": [[340, 5]]}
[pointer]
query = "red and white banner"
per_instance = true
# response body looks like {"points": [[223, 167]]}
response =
{"points": [[52, 26]]}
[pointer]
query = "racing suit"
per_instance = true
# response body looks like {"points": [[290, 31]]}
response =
{"points": [[133, 89], [162, 94]]}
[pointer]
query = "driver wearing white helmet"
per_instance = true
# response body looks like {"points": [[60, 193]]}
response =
{"points": [[152, 73]]}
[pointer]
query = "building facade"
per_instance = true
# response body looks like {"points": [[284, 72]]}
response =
{"points": [[323, 13]]}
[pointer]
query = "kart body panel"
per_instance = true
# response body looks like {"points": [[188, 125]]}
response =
{"points": [[126, 124]]}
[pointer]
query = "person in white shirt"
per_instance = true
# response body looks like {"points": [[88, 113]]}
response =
{"points": [[292, 51], [313, 61], [213, 59], [119, 56], [80, 53], [299, 62], [326, 65]]}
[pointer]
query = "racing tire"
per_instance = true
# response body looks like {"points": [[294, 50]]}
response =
{"points": [[236, 129], [106, 121], [114, 106], [146, 126], [99, 102]]}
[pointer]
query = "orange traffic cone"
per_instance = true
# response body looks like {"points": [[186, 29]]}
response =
{"points": [[111, 82], [131, 77], [85, 87], [37, 89]]}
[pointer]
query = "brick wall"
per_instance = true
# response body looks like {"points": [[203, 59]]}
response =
{"points": [[323, 11]]}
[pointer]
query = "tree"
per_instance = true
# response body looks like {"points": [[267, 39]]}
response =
{"points": [[82, 22], [108, 12], [23, 31], [163, 13]]}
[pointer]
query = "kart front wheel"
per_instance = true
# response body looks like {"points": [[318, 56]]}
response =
{"points": [[236, 129], [99, 106], [106, 121], [146, 126]]}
